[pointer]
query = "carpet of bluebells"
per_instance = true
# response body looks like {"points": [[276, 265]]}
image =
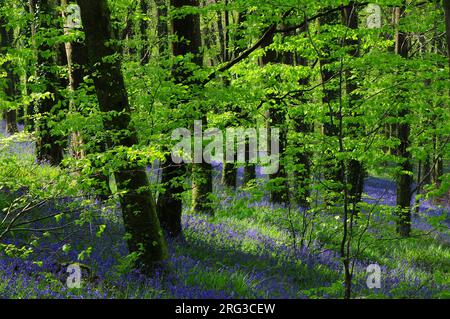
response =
{"points": [[221, 257]]}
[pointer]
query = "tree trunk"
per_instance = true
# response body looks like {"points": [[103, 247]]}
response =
{"points": [[249, 168], [331, 95], [77, 59], [229, 175], [447, 25], [11, 78], [202, 188], [143, 26], [229, 171], [355, 167], [440, 164], [170, 205], [187, 30], [141, 222], [279, 181], [49, 146], [405, 177], [302, 158], [162, 27], [29, 109], [279, 192], [438, 167]]}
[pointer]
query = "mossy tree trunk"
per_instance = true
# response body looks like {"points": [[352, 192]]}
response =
{"points": [[355, 167], [162, 27], [405, 176], [49, 145], [7, 39], [331, 96], [77, 60], [187, 30], [276, 113], [141, 222], [302, 157]]}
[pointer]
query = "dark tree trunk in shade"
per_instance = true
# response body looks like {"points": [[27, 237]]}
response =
{"points": [[49, 146], [170, 205], [404, 177], [244, 116], [229, 171], [353, 181], [333, 169], [202, 188], [76, 56], [229, 175], [77, 60], [162, 27], [202, 185], [280, 189], [30, 32], [187, 29], [355, 168], [220, 31], [331, 95], [302, 159], [145, 235], [279, 192], [11, 78], [249, 168], [11, 122], [440, 163], [143, 26], [446, 6]]}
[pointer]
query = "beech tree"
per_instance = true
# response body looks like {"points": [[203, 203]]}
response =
{"points": [[49, 145], [404, 179], [10, 87], [136, 200]]}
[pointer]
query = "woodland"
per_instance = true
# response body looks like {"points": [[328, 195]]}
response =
{"points": [[349, 101]]}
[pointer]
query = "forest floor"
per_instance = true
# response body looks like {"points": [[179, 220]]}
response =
{"points": [[247, 250]]}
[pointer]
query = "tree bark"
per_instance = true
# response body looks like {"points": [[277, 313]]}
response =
{"points": [[405, 177], [440, 163], [302, 159], [162, 27], [229, 171], [187, 30], [243, 116], [355, 167], [77, 60], [49, 146], [145, 235], [331, 95], [11, 78], [279, 192], [143, 26], [170, 205]]}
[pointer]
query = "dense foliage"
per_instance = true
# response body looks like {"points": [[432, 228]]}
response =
{"points": [[358, 94]]}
